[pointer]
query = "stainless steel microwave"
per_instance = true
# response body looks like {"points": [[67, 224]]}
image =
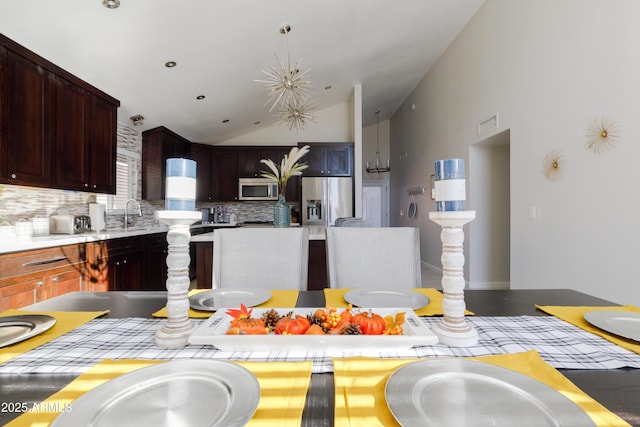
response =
{"points": [[257, 189]]}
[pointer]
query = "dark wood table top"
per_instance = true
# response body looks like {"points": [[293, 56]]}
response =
{"points": [[618, 390]]}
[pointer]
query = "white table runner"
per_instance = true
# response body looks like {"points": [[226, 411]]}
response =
{"points": [[560, 344]]}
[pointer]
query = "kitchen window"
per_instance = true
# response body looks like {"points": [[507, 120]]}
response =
{"points": [[127, 172]]}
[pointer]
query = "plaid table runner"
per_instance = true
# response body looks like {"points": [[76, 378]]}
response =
{"points": [[560, 344]]}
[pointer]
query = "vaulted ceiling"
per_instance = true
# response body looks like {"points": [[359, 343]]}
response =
{"points": [[221, 48]]}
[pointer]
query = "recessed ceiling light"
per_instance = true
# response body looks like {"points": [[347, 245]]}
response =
{"points": [[200, 97], [170, 64], [111, 4], [137, 120], [257, 123], [327, 87], [225, 121]]}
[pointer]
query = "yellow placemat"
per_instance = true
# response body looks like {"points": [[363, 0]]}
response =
{"points": [[335, 298], [360, 383], [283, 390], [279, 298], [65, 321], [575, 316]]}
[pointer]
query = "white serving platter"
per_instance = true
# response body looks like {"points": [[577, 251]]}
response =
{"points": [[180, 393], [212, 332], [465, 393], [14, 329], [622, 323]]}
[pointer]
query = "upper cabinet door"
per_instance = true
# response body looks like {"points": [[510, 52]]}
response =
{"points": [[202, 154], [26, 109], [102, 125], [70, 160], [328, 159]]}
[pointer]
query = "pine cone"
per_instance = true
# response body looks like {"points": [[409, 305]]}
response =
{"points": [[270, 318], [352, 329], [313, 320]]}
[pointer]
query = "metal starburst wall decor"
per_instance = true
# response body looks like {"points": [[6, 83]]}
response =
{"points": [[602, 134], [288, 89], [553, 165]]}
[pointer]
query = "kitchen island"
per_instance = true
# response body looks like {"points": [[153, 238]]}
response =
{"points": [[317, 276]]}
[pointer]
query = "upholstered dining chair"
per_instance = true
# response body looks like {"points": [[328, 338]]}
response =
{"points": [[373, 257], [268, 258]]}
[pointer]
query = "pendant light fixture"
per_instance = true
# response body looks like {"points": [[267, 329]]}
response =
{"points": [[288, 89], [378, 168]]}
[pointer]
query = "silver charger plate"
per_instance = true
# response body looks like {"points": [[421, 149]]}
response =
{"points": [[622, 323], [14, 329], [177, 393], [458, 392], [386, 298], [216, 299]]}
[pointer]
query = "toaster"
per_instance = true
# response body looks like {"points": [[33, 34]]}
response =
{"points": [[69, 224]]}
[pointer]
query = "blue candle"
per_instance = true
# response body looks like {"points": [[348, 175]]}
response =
{"points": [[450, 185], [180, 189]]}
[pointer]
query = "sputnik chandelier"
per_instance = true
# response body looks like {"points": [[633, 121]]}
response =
{"points": [[288, 89]]}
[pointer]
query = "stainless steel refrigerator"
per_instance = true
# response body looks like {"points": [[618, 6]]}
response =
{"points": [[325, 199]]}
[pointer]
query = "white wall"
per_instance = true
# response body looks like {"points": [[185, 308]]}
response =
{"points": [[334, 124], [548, 67]]}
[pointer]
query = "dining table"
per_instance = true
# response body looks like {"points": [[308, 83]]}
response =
{"points": [[618, 389]]}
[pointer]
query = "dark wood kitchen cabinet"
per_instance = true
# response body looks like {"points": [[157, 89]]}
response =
{"points": [[329, 159], [224, 174], [85, 150], [202, 154], [158, 145], [250, 166], [136, 263], [317, 278], [115, 264], [155, 249], [26, 121], [56, 130]]}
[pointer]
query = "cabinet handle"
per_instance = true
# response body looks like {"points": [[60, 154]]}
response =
{"points": [[117, 262], [86, 185], [124, 262], [55, 279], [46, 261], [40, 283], [95, 186], [14, 176]]}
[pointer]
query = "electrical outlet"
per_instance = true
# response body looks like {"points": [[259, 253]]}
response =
{"points": [[533, 212]]}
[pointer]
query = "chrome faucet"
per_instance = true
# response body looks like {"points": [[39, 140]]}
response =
{"points": [[126, 212]]}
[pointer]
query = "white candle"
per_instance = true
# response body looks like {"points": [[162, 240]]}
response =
{"points": [[450, 185], [180, 189]]}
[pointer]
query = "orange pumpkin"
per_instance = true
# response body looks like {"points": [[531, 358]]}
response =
{"points": [[245, 323], [314, 330], [370, 323], [292, 324]]}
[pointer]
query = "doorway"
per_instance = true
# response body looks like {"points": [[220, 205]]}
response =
{"points": [[489, 194], [375, 203]]}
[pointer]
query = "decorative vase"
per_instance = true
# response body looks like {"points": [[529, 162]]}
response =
{"points": [[281, 213]]}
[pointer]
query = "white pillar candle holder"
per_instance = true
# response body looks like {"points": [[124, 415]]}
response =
{"points": [[175, 333], [453, 329]]}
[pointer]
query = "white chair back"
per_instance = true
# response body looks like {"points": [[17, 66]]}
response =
{"points": [[267, 258], [373, 257]]}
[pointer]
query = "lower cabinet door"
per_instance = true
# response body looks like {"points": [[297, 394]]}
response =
{"points": [[20, 293]]}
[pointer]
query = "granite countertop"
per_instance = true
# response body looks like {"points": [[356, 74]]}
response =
{"points": [[9, 245]]}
